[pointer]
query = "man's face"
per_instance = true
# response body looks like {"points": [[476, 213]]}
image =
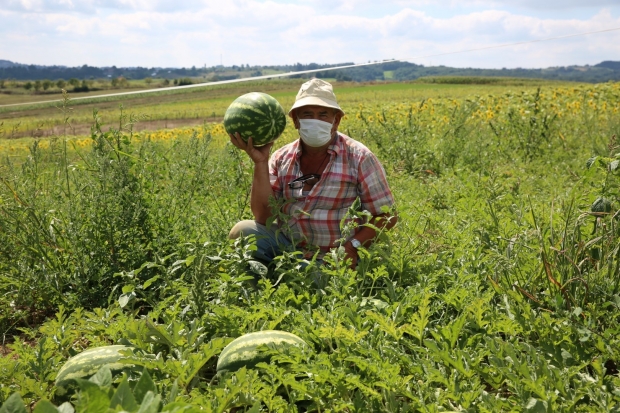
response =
{"points": [[328, 115]]}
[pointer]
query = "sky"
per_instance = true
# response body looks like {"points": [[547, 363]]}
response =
{"points": [[185, 33]]}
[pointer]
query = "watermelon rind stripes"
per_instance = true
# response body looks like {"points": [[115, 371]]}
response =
{"points": [[91, 360], [242, 351], [257, 115]]}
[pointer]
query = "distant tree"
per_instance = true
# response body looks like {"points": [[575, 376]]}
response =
{"points": [[609, 65], [61, 84], [166, 82], [1, 83], [120, 82], [74, 82], [46, 84], [37, 85], [148, 80], [28, 85]]}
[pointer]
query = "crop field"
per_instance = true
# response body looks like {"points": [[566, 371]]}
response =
{"points": [[194, 106], [497, 291]]}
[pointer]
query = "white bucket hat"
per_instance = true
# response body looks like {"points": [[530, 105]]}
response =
{"points": [[316, 92]]}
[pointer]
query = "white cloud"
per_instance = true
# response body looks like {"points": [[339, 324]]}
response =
{"points": [[197, 32], [530, 4]]}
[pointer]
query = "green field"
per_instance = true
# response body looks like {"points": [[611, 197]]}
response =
{"points": [[208, 104], [498, 290]]}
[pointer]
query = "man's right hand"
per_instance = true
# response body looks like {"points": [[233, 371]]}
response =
{"points": [[257, 154]]}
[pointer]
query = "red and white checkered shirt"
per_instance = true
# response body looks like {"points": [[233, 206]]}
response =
{"points": [[352, 171]]}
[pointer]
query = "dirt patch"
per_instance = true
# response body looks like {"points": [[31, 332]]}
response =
{"points": [[4, 350], [82, 129]]}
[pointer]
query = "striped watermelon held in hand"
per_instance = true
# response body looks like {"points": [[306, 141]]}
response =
{"points": [[257, 115]]}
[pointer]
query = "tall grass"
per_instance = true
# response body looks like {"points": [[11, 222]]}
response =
{"points": [[73, 219]]}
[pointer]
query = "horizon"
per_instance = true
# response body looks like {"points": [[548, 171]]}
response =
{"points": [[293, 64]]}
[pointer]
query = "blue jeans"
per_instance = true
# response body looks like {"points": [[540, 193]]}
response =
{"points": [[269, 244]]}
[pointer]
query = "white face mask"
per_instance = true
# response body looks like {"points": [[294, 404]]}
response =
{"points": [[314, 132]]}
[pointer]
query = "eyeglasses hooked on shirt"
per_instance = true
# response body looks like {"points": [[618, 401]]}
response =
{"points": [[310, 179]]}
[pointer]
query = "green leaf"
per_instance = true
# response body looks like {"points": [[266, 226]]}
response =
{"points": [[44, 406], [91, 398], [536, 406], [124, 299], [591, 161], [150, 281], [380, 304], [255, 407], [182, 407], [150, 403], [123, 397], [144, 385], [159, 334], [84, 385], [196, 361], [174, 391], [103, 377], [14, 404], [189, 260], [127, 289], [66, 407], [257, 267]]}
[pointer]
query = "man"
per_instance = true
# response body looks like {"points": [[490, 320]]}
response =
{"points": [[316, 178]]}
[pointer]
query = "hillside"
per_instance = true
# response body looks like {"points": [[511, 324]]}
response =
{"points": [[400, 71]]}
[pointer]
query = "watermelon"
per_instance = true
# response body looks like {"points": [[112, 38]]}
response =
{"points": [[90, 361], [601, 204], [255, 115], [242, 351]]}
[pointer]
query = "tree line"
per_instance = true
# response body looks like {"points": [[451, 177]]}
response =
{"points": [[398, 71]]}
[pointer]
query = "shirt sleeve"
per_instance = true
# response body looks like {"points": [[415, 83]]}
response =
{"points": [[274, 179], [374, 191]]}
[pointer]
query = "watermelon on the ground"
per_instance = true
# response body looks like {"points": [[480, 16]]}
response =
{"points": [[257, 115], [242, 351], [90, 361]]}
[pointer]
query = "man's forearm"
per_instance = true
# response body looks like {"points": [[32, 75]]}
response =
{"points": [[261, 193], [367, 234]]}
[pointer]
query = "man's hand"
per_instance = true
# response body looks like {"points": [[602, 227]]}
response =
{"points": [[351, 254], [258, 155]]}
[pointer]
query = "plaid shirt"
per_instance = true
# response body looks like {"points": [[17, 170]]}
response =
{"points": [[352, 171]]}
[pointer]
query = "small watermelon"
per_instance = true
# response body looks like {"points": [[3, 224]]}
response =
{"points": [[257, 115], [242, 351], [601, 204], [90, 361]]}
